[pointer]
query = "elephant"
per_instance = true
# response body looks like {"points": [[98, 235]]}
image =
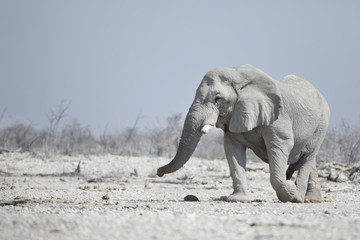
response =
{"points": [[283, 122]]}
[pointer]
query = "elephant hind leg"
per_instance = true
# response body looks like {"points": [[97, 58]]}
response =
{"points": [[313, 192], [307, 182]]}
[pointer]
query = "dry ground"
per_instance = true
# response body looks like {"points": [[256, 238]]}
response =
{"points": [[117, 197]]}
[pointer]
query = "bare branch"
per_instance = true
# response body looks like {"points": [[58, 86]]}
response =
{"points": [[55, 116], [2, 114]]}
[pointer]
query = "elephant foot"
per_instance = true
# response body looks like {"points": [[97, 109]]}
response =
{"points": [[294, 199], [313, 193], [236, 197], [287, 192], [313, 196]]}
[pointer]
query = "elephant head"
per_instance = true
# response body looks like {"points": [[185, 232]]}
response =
{"points": [[234, 99]]}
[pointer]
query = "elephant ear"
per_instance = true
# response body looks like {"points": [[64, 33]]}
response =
{"points": [[259, 101]]}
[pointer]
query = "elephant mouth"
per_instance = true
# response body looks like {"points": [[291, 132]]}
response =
{"points": [[223, 121]]}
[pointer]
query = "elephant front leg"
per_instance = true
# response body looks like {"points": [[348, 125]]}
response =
{"points": [[236, 157], [286, 190]]}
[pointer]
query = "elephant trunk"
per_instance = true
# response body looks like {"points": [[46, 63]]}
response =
{"points": [[190, 137]]}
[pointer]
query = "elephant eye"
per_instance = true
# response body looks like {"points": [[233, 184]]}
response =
{"points": [[217, 98]]}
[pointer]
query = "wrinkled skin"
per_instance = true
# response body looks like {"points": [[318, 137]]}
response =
{"points": [[284, 122]]}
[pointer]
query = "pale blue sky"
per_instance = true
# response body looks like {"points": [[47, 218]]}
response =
{"points": [[115, 60]]}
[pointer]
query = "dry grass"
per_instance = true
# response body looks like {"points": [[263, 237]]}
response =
{"points": [[342, 143]]}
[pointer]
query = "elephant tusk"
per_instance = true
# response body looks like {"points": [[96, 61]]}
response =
{"points": [[206, 128]]}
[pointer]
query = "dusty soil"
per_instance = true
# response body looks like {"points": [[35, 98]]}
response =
{"points": [[113, 197]]}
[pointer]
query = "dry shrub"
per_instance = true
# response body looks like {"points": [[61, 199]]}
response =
{"points": [[18, 136], [342, 143]]}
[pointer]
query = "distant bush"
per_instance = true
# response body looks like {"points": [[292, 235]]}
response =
{"points": [[75, 138], [18, 136], [342, 143]]}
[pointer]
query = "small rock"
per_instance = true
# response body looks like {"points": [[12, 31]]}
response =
{"points": [[333, 175], [324, 173], [355, 177], [341, 178], [106, 197], [191, 198], [135, 173], [94, 180]]}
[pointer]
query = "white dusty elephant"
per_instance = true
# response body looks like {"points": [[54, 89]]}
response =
{"points": [[284, 122]]}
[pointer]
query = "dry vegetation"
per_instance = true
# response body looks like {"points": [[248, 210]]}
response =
{"points": [[69, 136]]}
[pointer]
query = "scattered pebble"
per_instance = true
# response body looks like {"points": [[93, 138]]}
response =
{"points": [[52, 205], [191, 198], [106, 197]]}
